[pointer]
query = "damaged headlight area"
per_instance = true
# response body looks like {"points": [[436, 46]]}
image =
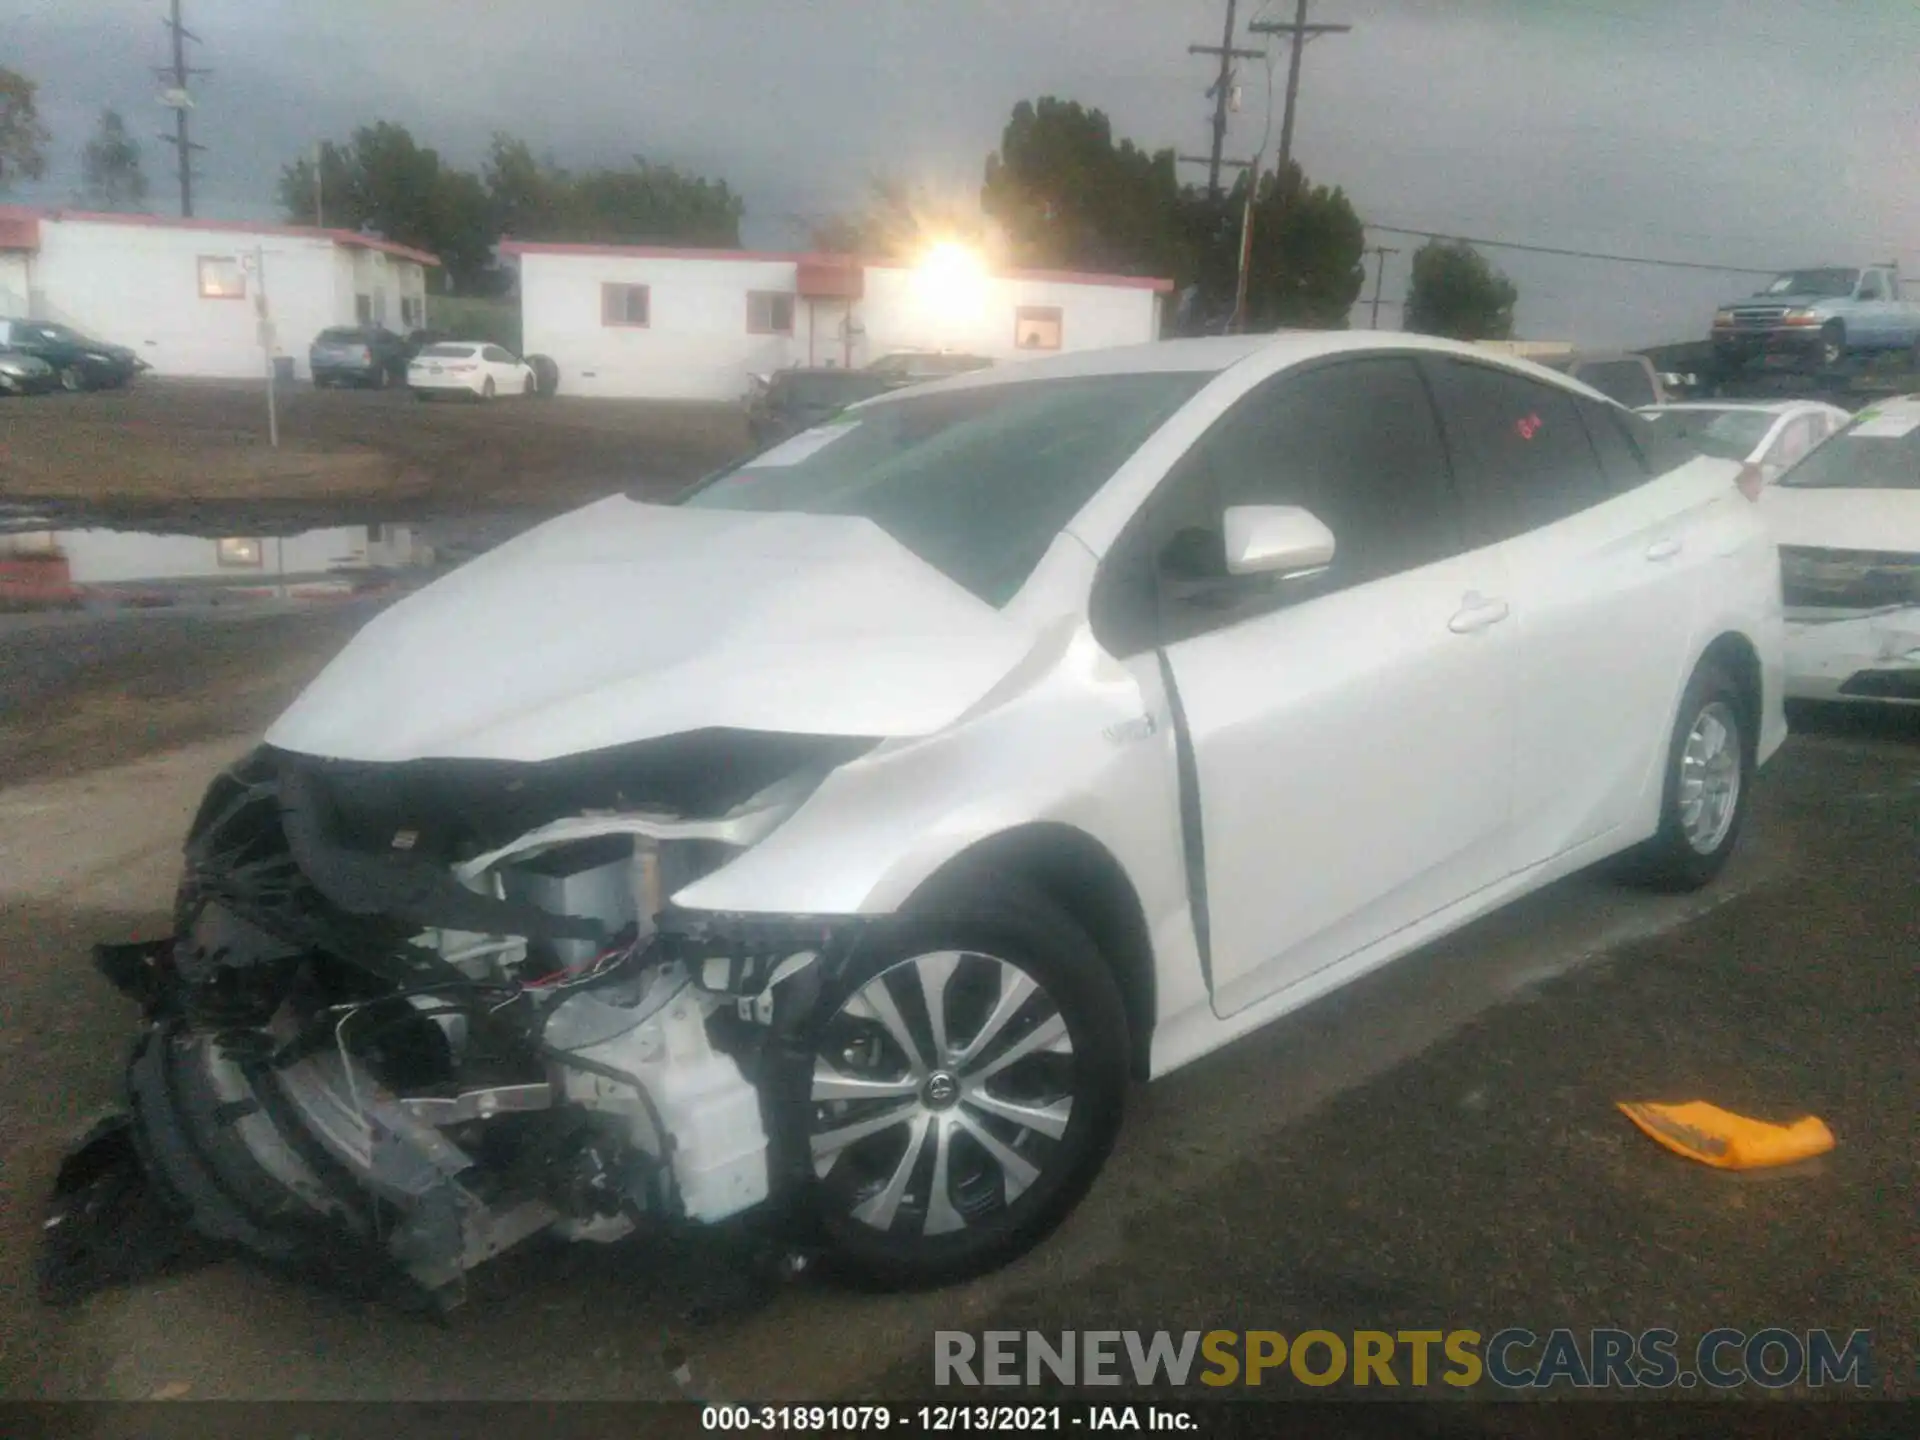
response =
{"points": [[413, 1014]]}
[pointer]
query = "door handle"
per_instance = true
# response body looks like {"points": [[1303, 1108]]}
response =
{"points": [[1477, 613], [1663, 549]]}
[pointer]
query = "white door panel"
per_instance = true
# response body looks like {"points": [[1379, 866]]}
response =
{"points": [[1353, 756], [1605, 606]]}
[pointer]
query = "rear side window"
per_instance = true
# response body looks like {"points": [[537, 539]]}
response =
{"points": [[1521, 456], [1626, 381], [1620, 461]]}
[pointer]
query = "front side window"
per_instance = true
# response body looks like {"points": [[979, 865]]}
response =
{"points": [[222, 278], [630, 305], [1521, 456], [769, 312], [978, 483], [1354, 442]]}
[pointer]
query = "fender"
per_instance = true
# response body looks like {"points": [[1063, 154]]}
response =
{"points": [[1070, 738]]}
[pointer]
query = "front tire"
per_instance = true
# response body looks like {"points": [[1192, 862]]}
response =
{"points": [[969, 1072], [1703, 802], [1833, 346]]}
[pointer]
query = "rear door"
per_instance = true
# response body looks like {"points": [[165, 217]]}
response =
{"points": [[1603, 569]]}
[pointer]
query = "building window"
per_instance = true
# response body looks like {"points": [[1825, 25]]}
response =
{"points": [[626, 305], [363, 309], [221, 278], [1036, 327], [239, 554], [769, 312]]}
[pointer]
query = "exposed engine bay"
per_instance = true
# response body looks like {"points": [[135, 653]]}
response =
{"points": [[412, 1014]]}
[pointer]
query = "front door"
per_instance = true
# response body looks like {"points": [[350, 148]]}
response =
{"points": [[1349, 735]]}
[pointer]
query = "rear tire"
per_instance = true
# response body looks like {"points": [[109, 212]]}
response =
{"points": [[1703, 799], [984, 1155]]}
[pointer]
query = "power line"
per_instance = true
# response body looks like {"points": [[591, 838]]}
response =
{"points": [[1221, 93], [180, 101], [1569, 253], [1299, 32]]}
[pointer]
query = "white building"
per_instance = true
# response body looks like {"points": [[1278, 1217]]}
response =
{"points": [[184, 295], [694, 324]]}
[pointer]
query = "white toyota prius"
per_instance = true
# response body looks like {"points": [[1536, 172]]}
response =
{"points": [[835, 844]]}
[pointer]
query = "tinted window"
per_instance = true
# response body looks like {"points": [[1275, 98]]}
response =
{"points": [[1521, 455], [1620, 461], [978, 484], [1626, 381], [1355, 443]]}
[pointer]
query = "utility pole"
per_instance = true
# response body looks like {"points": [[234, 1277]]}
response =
{"points": [[1221, 93], [1299, 33], [1379, 274], [177, 98]]}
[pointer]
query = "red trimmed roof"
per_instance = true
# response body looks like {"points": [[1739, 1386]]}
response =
{"points": [[234, 227], [801, 257]]}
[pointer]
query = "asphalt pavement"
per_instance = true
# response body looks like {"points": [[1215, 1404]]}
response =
{"points": [[1434, 1147]]}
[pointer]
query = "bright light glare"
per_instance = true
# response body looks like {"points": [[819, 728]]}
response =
{"points": [[952, 280]]}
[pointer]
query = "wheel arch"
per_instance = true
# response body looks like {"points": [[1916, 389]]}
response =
{"points": [[1080, 875], [1736, 654]]}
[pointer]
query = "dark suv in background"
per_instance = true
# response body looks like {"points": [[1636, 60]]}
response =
{"points": [[368, 355]]}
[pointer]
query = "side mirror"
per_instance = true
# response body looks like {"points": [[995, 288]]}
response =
{"points": [[1282, 540]]}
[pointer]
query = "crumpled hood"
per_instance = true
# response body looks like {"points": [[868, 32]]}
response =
{"points": [[622, 622], [1839, 519]]}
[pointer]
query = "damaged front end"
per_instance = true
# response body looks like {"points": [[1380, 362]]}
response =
{"points": [[412, 1014]]}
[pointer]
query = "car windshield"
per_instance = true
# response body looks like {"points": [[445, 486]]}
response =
{"points": [[1880, 452], [1814, 282], [450, 352], [977, 483], [1729, 434]]}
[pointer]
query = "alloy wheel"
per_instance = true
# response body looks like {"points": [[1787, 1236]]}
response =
{"points": [[1710, 766], [942, 1089]]}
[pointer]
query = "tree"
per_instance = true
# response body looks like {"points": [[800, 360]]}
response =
{"points": [[110, 167], [23, 139], [1457, 293], [639, 203], [382, 179], [1068, 195], [1071, 196]]}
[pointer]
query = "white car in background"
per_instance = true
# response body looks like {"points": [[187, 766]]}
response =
{"points": [[1772, 435], [468, 367], [843, 837], [1847, 519]]}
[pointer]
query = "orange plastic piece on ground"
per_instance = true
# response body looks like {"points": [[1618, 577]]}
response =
{"points": [[1727, 1141]]}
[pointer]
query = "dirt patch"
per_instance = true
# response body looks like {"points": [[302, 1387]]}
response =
{"points": [[162, 443]]}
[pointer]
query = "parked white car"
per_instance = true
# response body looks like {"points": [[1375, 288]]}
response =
{"points": [[1772, 435], [1847, 519], [468, 367], [837, 841]]}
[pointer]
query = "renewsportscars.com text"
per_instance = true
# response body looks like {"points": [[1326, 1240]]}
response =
{"points": [[1513, 1358]]}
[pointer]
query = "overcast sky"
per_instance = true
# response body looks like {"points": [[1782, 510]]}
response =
{"points": [[1736, 132]]}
